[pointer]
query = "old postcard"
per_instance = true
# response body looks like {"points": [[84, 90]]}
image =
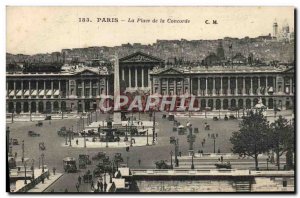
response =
{"points": [[150, 99]]}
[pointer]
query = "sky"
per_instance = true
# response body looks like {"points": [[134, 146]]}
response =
{"points": [[31, 30]]}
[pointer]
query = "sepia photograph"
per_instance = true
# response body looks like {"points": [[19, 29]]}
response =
{"points": [[161, 99]]}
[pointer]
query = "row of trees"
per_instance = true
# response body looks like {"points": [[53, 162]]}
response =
{"points": [[256, 136]]}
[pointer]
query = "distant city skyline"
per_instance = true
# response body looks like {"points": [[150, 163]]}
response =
{"points": [[32, 30]]}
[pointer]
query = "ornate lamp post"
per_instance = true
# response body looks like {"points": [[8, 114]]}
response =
{"points": [[214, 137], [23, 150], [147, 138], [70, 141], [171, 153], [176, 144], [191, 138], [43, 170], [153, 134], [32, 169], [192, 166], [25, 181]]}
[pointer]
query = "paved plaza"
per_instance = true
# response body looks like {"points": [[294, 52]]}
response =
{"points": [[56, 149]]}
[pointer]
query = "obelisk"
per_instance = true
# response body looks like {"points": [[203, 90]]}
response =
{"points": [[117, 111]]}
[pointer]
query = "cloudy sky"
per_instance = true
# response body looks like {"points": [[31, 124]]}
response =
{"points": [[33, 30]]}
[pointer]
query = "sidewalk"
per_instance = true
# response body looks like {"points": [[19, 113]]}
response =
{"points": [[40, 187]]}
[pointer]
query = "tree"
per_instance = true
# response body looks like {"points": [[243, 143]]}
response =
{"points": [[282, 138], [252, 137]]}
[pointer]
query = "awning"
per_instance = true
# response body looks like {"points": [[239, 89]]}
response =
{"points": [[34, 92], [49, 92], [56, 92], [12, 93], [42, 92], [26, 93], [19, 93]]}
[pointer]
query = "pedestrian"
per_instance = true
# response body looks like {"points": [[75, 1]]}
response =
{"points": [[77, 187], [101, 186], [54, 169], [92, 185], [79, 179], [16, 154], [139, 162], [105, 186], [77, 142], [98, 185], [179, 153], [43, 179], [221, 158]]}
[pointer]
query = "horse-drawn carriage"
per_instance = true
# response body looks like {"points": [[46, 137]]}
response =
{"points": [[162, 165], [223, 165], [99, 156], [83, 161], [39, 124], [33, 134], [70, 164], [87, 177]]}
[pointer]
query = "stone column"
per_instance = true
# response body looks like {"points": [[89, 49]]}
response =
{"points": [[29, 88], [175, 86], [199, 87], [244, 85], [221, 102], [214, 86], [22, 107], [22, 88], [183, 87], [83, 89], [206, 86], [107, 87], [267, 103], [259, 93], [143, 78], [274, 85], [37, 88], [7, 92], [135, 72], [291, 86], [59, 88], [129, 77], [236, 86], [221, 88], [266, 87], [167, 79], [251, 87], [123, 74], [229, 90], [45, 88], [14, 88], [91, 86], [52, 90], [149, 83]]}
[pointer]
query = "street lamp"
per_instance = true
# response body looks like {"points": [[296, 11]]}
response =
{"points": [[147, 139], [32, 169], [192, 166], [69, 132], [214, 137], [176, 144], [191, 138], [171, 153], [23, 148], [153, 135], [43, 170], [25, 181]]}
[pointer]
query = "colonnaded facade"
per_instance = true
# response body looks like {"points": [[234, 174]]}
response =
{"points": [[80, 88], [228, 87]]}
